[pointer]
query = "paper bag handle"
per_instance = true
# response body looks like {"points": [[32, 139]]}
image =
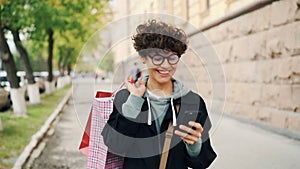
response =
{"points": [[119, 88]]}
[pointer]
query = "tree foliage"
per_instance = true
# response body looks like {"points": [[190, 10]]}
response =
{"points": [[73, 22], [107, 62]]}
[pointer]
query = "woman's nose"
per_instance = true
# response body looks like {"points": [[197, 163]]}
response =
{"points": [[165, 63]]}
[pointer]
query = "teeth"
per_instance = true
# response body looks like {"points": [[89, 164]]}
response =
{"points": [[163, 72]]}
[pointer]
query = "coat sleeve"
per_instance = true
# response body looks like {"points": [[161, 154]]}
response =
{"points": [[119, 131], [207, 154]]}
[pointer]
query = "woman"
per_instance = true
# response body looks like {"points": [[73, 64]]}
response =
{"points": [[142, 113]]}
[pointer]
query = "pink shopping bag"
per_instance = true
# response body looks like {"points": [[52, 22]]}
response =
{"points": [[92, 143]]}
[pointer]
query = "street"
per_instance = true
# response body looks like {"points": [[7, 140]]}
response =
{"points": [[238, 145]]}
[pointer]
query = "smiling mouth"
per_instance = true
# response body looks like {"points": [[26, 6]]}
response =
{"points": [[163, 72]]}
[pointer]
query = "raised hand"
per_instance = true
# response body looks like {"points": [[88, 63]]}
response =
{"points": [[135, 90]]}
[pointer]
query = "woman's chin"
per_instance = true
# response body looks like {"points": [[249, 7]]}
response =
{"points": [[163, 78]]}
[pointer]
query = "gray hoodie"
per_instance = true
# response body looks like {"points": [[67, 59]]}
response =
{"points": [[158, 107]]}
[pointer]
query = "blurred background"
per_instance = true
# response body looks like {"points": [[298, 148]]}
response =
{"points": [[243, 56]]}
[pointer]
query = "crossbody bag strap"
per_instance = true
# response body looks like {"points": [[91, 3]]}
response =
{"points": [[164, 156], [167, 143]]}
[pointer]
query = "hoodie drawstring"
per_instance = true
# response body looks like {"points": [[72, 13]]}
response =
{"points": [[149, 122], [173, 113], [149, 112]]}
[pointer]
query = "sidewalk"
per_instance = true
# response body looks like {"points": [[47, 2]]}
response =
{"points": [[238, 145], [61, 151], [244, 146]]}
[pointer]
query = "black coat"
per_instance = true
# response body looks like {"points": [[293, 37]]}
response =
{"points": [[140, 143]]}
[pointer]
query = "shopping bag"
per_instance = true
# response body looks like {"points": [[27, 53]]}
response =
{"points": [[92, 144], [84, 145]]}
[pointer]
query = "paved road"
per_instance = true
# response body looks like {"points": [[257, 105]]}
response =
{"points": [[238, 145]]}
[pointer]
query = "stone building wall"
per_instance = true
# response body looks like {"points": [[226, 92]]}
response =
{"points": [[260, 56]]}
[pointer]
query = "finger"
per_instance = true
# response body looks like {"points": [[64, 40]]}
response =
{"points": [[186, 136], [186, 129], [131, 87], [191, 131], [181, 134], [198, 126]]}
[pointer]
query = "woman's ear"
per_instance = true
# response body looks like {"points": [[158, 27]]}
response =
{"points": [[143, 59]]}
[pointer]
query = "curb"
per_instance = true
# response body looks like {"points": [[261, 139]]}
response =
{"points": [[38, 136]]}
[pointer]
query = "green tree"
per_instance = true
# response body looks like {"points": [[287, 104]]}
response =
{"points": [[16, 19], [9, 65], [66, 25], [84, 24], [107, 62]]}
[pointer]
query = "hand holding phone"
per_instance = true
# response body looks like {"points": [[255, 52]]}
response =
{"points": [[189, 130]]}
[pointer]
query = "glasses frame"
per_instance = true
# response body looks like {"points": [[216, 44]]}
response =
{"points": [[164, 58]]}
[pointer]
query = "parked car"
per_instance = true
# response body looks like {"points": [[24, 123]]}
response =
{"points": [[5, 102], [40, 79], [3, 80]]}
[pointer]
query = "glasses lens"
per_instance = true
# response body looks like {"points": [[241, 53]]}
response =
{"points": [[173, 59], [157, 60]]}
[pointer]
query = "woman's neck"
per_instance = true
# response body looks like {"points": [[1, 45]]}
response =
{"points": [[162, 90]]}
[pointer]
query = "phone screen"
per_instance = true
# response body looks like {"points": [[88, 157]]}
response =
{"points": [[188, 116]]}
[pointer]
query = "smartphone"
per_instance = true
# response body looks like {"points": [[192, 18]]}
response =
{"points": [[188, 116]]}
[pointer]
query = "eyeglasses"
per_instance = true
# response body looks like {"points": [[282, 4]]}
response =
{"points": [[158, 60]]}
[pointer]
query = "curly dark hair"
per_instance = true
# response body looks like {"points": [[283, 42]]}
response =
{"points": [[159, 35]]}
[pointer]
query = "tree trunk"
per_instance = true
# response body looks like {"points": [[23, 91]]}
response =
{"points": [[17, 96], [18, 99], [1, 126], [32, 87], [33, 93], [24, 57], [65, 61], [69, 69], [50, 54], [63, 80], [60, 65], [8, 61], [49, 84], [61, 69]]}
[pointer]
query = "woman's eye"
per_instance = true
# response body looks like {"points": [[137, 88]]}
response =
{"points": [[173, 57], [157, 58]]}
